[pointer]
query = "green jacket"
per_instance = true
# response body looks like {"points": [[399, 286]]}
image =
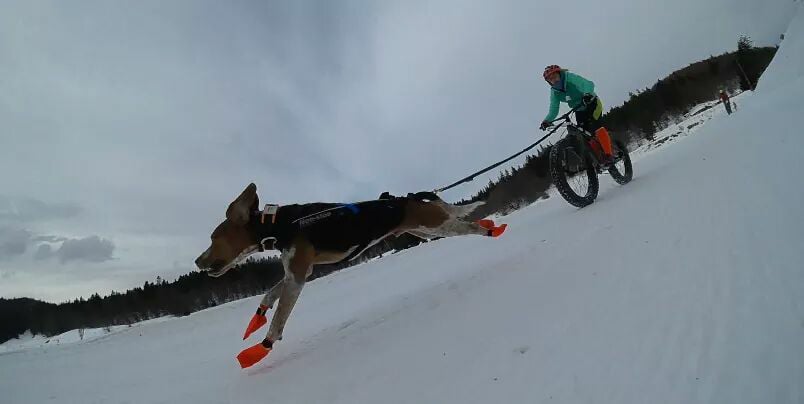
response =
{"points": [[575, 87]]}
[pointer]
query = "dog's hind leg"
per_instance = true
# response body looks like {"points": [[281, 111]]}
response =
{"points": [[462, 210], [458, 227], [439, 219], [455, 227], [420, 234]]}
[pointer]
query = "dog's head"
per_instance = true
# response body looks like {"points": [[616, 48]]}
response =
{"points": [[233, 240]]}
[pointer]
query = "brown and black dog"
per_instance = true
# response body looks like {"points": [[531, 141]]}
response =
{"points": [[322, 233]]}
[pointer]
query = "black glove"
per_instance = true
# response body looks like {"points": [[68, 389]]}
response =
{"points": [[589, 99], [545, 125]]}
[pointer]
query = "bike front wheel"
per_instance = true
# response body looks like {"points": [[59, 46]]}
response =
{"points": [[573, 173]]}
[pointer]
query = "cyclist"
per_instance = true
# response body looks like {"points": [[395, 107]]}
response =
{"points": [[579, 93]]}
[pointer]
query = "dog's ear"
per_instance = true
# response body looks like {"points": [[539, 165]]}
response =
{"points": [[240, 209]]}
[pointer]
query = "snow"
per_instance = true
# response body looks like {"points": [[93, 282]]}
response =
{"points": [[687, 124], [787, 67], [29, 341], [684, 286]]}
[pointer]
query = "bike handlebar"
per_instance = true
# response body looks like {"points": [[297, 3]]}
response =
{"points": [[564, 117]]}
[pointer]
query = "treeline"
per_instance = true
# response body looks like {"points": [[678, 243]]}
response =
{"points": [[189, 293], [651, 109], [641, 116]]}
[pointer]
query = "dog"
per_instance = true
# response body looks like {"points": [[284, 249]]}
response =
{"points": [[322, 233]]}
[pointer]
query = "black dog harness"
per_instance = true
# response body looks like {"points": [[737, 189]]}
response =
{"points": [[331, 226]]}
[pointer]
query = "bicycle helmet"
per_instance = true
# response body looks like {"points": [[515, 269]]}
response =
{"points": [[549, 70]]}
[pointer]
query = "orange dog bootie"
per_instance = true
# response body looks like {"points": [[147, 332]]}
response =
{"points": [[498, 230], [249, 356], [257, 321], [485, 223], [493, 229]]}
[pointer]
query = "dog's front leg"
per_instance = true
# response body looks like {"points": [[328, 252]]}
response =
{"points": [[267, 302], [291, 289], [270, 298], [297, 263]]}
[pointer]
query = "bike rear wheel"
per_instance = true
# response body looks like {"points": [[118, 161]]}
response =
{"points": [[621, 170], [573, 173]]}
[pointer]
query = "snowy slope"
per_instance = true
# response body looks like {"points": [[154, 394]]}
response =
{"points": [[787, 67], [688, 124], [684, 286]]}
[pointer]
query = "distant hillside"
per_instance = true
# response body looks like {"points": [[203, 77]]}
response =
{"points": [[15, 315], [649, 110]]}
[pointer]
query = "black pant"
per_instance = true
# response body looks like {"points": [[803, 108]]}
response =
{"points": [[586, 119]]}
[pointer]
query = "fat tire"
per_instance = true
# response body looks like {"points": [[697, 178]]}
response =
{"points": [[625, 177], [559, 175]]}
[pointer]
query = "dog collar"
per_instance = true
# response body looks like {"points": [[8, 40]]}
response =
{"points": [[264, 228], [262, 248], [269, 210]]}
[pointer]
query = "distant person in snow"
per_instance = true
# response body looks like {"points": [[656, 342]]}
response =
{"points": [[724, 98], [577, 92]]}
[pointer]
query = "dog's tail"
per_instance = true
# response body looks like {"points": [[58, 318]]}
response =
{"points": [[461, 211]]}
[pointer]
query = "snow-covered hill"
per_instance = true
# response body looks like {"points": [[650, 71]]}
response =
{"points": [[684, 286]]}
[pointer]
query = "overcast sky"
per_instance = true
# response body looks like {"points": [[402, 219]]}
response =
{"points": [[126, 127]]}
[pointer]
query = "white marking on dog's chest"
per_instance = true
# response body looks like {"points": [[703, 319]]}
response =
{"points": [[240, 257]]}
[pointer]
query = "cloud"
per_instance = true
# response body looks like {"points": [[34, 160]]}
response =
{"points": [[26, 210], [49, 239], [44, 251], [91, 249], [13, 242]]}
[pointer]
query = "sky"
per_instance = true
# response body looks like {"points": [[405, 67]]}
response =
{"points": [[126, 128]]}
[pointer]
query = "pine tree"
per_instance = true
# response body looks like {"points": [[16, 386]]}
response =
{"points": [[744, 43]]}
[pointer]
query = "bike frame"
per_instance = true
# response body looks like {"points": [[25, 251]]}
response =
{"points": [[581, 135]]}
